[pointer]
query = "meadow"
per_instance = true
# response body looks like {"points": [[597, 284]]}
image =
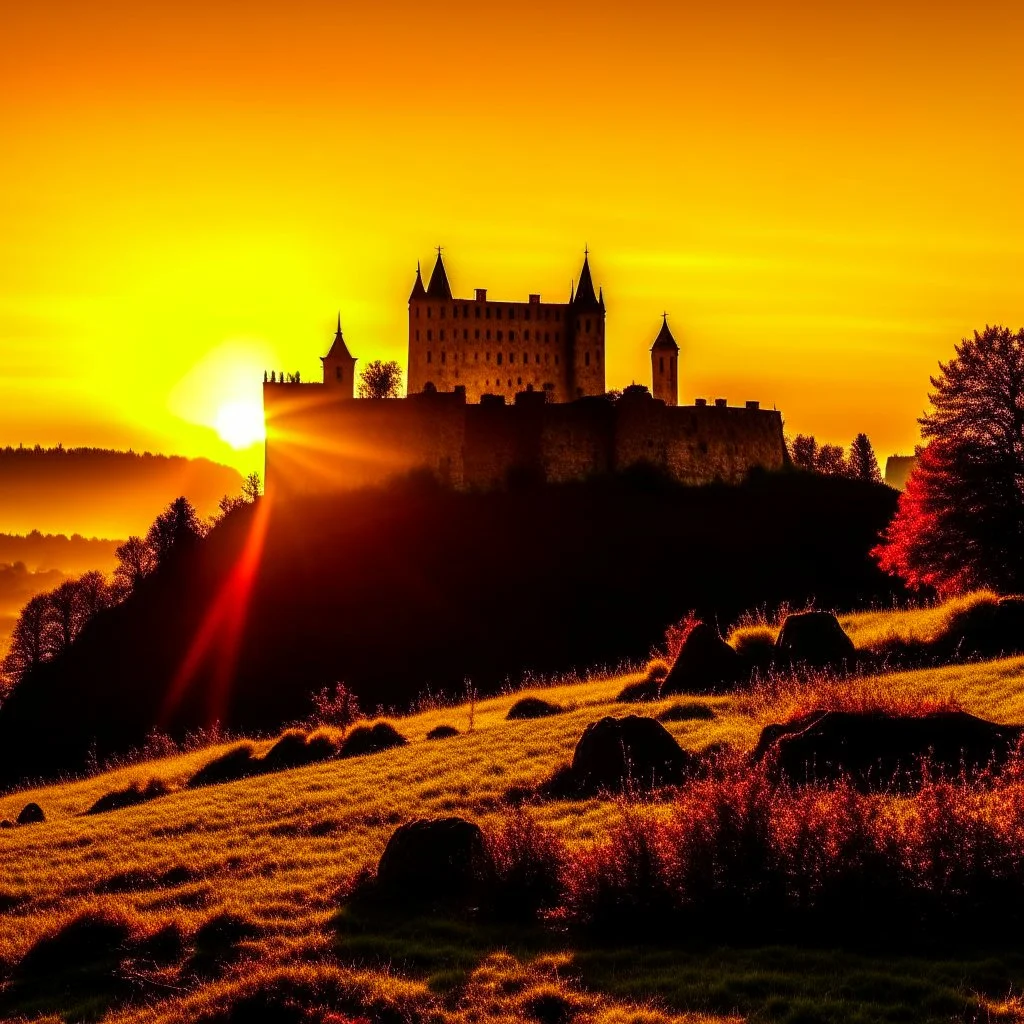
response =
{"points": [[231, 902]]}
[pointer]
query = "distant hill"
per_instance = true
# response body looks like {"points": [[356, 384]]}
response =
{"points": [[73, 555], [99, 492], [409, 587]]}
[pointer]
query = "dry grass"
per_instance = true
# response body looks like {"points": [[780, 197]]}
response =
{"points": [[275, 851]]}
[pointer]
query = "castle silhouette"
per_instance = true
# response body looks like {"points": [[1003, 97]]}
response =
{"points": [[497, 388]]}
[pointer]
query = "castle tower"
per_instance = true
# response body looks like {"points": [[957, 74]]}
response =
{"points": [[664, 363], [340, 367], [587, 316]]}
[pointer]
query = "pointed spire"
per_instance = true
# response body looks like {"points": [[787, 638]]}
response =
{"points": [[439, 287], [585, 294], [339, 350], [664, 338], [418, 291], [338, 335], [600, 299]]}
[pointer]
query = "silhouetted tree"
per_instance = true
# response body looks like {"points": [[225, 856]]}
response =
{"points": [[804, 452], [960, 522], [252, 489], [28, 647], [176, 528], [380, 380], [831, 460], [339, 708], [862, 463], [135, 561], [71, 605]]}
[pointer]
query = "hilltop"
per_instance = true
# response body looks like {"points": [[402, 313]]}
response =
{"points": [[254, 874], [414, 588]]}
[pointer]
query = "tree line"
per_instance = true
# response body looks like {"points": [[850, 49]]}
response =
{"points": [[860, 463], [52, 621]]}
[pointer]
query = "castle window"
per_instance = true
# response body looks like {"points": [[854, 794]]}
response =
{"points": [[487, 312], [526, 334], [511, 335], [477, 308], [488, 335], [497, 312], [417, 335], [499, 359], [417, 310], [588, 327], [337, 372], [476, 357], [465, 334], [455, 312], [428, 311], [430, 335], [547, 357], [442, 312], [488, 357], [476, 334], [441, 334], [444, 357], [430, 357], [499, 335], [512, 313], [511, 357], [510, 382], [465, 312], [586, 359], [536, 358], [520, 379], [526, 312], [547, 337], [661, 364]]}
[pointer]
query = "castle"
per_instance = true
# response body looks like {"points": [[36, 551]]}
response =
{"points": [[496, 388]]}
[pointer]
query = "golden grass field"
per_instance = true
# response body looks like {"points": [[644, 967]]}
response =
{"points": [[276, 851]]}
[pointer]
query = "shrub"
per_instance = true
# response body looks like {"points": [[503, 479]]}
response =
{"points": [[295, 749], [442, 732], [755, 644], [656, 670], [533, 707], [690, 712], [238, 763], [636, 693], [369, 739], [136, 793]]}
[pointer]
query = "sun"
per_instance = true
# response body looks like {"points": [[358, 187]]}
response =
{"points": [[241, 423]]}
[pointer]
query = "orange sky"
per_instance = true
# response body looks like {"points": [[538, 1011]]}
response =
{"points": [[824, 200]]}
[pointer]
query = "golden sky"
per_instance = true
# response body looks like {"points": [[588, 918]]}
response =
{"points": [[824, 196]]}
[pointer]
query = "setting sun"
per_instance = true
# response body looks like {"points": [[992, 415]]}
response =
{"points": [[240, 424]]}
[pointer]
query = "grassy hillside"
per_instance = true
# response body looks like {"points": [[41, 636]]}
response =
{"points": [[267, 860]]}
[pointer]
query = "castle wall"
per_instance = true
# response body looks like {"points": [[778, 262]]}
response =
{"points": [[318, 444]]}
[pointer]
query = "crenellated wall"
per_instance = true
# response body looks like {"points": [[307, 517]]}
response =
{"points": [[318, 444]]}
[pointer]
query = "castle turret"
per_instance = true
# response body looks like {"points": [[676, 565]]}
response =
{"points": [[340, 366], [664, 365], [587, 316], [439, 288]]}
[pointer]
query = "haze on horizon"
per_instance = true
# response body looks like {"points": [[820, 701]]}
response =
{"points": [[824, 199]]}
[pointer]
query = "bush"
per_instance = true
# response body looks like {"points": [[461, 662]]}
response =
{"points": [[755, 645], [370, 739], [529, 861], [238, 763], [442, 732], [295, 749], [636, 693], [691, 712], [136, 793], [533, 707]]}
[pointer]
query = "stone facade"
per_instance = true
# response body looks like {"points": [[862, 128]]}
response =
{"points": [[501, 348]]}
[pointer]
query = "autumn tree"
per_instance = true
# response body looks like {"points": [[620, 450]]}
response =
{"points": [[831, 460], [960, 522], [862, 463], [135, 561], [380, 380], [28, 646]]}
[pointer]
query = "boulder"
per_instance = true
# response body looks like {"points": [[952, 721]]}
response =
{"points": [[442, 732], [879, 751], [631, 752], [815, 639], [371, 739], [705, 664], [31, 814], [533, 707], [432, 860]]}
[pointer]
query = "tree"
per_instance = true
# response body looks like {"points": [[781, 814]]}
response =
{"points": [[960, 522], [28, 647], [176, 528], [380, 380], [135, 561], [804, 452], [252, 490], [862, 463], [831, 460]]}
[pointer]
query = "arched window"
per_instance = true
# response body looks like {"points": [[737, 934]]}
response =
{"points": [[430, 335], [499, 359], [430, 357]]}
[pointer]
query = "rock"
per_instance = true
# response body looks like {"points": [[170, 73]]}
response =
{"points": [[881, 751], [31, 814], [442, 732], [371, 739], [533, 707], [705, 664], [815, 639], [295, 749], [6, 823], [615, 753], [434, 860]]}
